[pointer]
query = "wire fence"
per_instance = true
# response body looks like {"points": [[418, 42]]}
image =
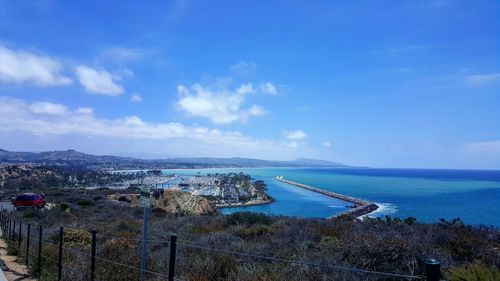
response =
{"points": [[54, 256]]}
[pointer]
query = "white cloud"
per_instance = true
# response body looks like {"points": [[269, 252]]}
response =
{"points": [[482, 79], [327, 144], [217, 102], [245, 89], [268, 88], [295, 135], [98, 81], [486, 147], [57, 122], [122, 54], [293, 144], [84, 110], [136, 98], [47, 108], [244, 67], [256, 110], [27, 67], [123, 72]]}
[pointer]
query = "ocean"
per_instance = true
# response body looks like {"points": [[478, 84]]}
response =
{"points": [[428, 195]]}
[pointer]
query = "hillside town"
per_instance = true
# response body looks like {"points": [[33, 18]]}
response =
{"points": [[226, 189], [223, 190]]}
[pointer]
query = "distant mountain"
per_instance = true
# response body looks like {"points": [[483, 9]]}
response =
{"points": [[315, 162], [75, 158]]}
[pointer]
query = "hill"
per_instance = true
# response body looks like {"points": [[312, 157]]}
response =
{"points": [[79, 159]]}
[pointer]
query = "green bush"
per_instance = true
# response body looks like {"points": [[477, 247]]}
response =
{"points": [[254, 231], [12, 249], [476, 271], [247, 218], [85, 203], [64, 207], [29, 214], [77, 237]]}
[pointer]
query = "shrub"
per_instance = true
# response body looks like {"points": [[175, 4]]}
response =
{"points": [[77, 237], [256, 273], [476, 271], [253, 231], [12, 249], [85, 203], [247, 218], [208, 228], [29, 214], [158, 212], [64, 207]]}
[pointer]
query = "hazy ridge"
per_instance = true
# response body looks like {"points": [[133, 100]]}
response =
{"points": [[75, 158]]}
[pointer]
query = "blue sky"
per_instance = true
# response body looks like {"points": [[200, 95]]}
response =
{"points": [[375, 83]]}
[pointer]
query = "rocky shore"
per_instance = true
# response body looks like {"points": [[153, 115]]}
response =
{"points": [[173, 201], [246, 204]]}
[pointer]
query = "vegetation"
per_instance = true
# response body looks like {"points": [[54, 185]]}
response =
{"points": [[388, 245], [475, 271], [20, 178], [247, 218]]}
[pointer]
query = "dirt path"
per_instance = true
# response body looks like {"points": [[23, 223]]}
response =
{"points": [[12, 270]]}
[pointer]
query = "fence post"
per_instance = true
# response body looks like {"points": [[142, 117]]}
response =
{"points": [[19, 237], [432, 270], [28, 233], [92, 256], [59, 263], [171, 262], [40, 233], [14, 230]]}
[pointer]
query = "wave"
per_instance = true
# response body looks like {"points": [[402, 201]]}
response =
{"points": [[384, 209], [337, 206]]}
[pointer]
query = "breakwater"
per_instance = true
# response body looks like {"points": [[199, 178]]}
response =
{"points": [[362, 207]]}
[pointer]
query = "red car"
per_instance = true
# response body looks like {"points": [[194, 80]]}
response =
{"points": [[29, 200]]}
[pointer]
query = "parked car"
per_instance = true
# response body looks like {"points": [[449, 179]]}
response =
{"points": [[29, 200]]}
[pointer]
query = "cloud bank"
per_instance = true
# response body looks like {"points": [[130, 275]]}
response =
{"points": [[57, 121], [28, 67]]}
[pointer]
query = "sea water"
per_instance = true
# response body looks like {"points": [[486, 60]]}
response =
{"points": [[471, 195]]}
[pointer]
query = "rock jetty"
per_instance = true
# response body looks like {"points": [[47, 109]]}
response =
{"points": [[362, 207]]}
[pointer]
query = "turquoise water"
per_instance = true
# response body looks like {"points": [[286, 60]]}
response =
{"points": [[472, 195]]}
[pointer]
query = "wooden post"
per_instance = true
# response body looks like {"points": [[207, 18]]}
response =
{"points": [[92, 256], [39, 266], [171, 263], [28, 233], [19, 237], [59, 262], [13, 230]]}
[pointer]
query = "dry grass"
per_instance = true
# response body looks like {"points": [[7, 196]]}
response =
{"points": [[381, 245]]}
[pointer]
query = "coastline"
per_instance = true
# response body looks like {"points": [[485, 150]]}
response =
{"points": [[363, 207], [246, 204]]}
